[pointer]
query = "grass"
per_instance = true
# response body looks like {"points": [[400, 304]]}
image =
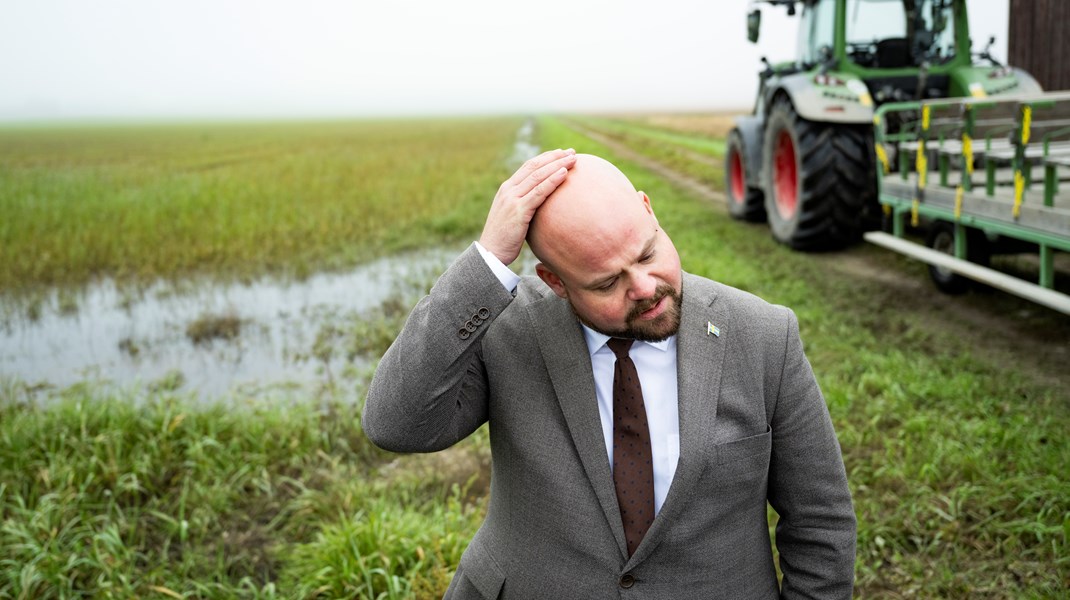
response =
{"points": [[695, 154], [109, 496], [140, 203], [955, 449], [212, 326]]}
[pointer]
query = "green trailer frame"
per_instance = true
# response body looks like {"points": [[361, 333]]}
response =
{"points": [[973, 163]]}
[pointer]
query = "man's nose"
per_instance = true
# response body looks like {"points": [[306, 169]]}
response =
{"points": [[643, 287]]}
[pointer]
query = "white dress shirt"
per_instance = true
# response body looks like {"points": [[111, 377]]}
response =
{"points": [[656, 365]]}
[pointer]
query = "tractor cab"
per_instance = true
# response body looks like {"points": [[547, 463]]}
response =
{"points": [[901, 49]]}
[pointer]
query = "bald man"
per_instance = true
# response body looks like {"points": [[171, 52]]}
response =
{"points": [[641, 418]]}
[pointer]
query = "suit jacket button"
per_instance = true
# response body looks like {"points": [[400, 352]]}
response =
{"points": [[627, 580], [470, 326], [464, 333], [483, 313]]}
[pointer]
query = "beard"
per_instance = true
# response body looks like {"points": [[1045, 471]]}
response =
{"points": [[664, 326]]}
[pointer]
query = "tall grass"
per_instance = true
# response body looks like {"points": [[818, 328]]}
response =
{"points": [[238, 200], [694, 154], [102, 495]]}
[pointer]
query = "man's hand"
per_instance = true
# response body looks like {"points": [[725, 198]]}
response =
{"points": [[517, 200]]}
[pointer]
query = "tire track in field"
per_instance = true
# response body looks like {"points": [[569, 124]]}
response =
{"points": [[715, 197], [1025, 329]]}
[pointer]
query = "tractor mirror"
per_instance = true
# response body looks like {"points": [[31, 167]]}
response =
{"points": [[754, 22]]}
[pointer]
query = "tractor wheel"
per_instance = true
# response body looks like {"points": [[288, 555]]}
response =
{"points": [[942, 239], [820, 181], [744, 203]]}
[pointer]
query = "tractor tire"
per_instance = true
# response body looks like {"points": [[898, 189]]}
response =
{"points": [[820, 181], [744, 203], [941, 238]]}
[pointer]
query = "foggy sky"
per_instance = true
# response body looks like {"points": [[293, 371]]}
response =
{"points": [[153, 59]]}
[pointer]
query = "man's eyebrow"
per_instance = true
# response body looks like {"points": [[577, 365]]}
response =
{"points": [[647, 249]]}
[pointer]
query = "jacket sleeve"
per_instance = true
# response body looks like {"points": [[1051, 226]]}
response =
{"points": [[815, 536], [430, 390]]}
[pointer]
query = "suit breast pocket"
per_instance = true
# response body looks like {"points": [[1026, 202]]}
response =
{"points": [[742, 465], [747, 447]]}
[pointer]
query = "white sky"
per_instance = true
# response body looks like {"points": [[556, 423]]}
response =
{"points": [[138, 59]]}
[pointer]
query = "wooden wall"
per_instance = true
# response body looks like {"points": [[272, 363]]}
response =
{"points": [[1039, 41]]}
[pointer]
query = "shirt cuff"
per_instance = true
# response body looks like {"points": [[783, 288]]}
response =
{"points": [[508, 278]]}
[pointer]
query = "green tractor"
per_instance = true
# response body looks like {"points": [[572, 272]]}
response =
{"points": [[804, 160]]}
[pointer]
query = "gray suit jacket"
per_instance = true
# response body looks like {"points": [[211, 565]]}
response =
{"points": [[753, 428]]}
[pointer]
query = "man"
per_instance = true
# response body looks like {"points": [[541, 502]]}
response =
{"points": [[617, 388]]}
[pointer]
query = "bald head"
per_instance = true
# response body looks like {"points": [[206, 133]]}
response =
{"points": [[595, 206]]}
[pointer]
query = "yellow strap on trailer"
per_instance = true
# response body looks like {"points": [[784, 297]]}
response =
{"points": [[1019, 190], [883, 156], [921, 163], [1027, 120], [959, 191], [1019, 178], [967, 152]]}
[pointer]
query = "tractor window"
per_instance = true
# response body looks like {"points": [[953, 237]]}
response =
{"points": [[816, 31], [933, 32], [890, 34]]}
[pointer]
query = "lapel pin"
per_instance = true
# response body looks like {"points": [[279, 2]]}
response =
{"points": [[711, 328]]}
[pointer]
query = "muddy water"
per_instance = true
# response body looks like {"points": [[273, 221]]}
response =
{"points": [[144, 337], [266, 342], [525, 146]]}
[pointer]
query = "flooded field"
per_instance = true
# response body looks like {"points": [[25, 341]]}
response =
{"points": [[202, 337], [209, 338]]}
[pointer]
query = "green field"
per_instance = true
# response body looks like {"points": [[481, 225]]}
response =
{"points": [[954, 437], [138, 203]]}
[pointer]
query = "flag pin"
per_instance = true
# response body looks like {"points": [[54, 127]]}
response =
{"points": [[711, 328]]}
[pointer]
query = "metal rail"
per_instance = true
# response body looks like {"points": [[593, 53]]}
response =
{"points": [[959, 135]]}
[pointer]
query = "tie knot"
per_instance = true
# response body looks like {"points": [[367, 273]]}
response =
{"points": [[620, 346]]}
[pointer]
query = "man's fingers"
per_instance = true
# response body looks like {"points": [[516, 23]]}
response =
{"points": [[538, 162], [542, 191], [542, 173], [518, 199]]}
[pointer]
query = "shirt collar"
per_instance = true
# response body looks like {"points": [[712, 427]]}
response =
{"points": [[596, 340]]}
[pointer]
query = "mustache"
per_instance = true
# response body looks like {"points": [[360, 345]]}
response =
{"points": [[660, 292]]}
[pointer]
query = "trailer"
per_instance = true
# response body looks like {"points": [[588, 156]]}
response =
{"points": [[982, 176]]}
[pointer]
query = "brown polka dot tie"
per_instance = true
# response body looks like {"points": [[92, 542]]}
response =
{"points": [[633, 469]]}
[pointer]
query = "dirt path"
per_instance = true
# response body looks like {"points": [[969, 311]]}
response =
{"points": [[1001, 327], [716, 197]]}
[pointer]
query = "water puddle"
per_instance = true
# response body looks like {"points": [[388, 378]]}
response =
{"points": [[213, 339], [203, 337], [524, 147]]}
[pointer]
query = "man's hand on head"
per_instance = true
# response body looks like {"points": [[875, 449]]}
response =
{"points": [[517, 200]]}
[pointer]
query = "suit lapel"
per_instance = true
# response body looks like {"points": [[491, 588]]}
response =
{"points": [[699, 356], [568, 361]]}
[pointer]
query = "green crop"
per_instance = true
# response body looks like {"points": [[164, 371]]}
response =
{"points": [[138, 203]]}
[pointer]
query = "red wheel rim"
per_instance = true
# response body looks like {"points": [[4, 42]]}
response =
{"points": [[785, 175], [737, 178]]}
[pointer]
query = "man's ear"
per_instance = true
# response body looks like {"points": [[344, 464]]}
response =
{"points": [[646, 201], [646, 204], [551, 279]]}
